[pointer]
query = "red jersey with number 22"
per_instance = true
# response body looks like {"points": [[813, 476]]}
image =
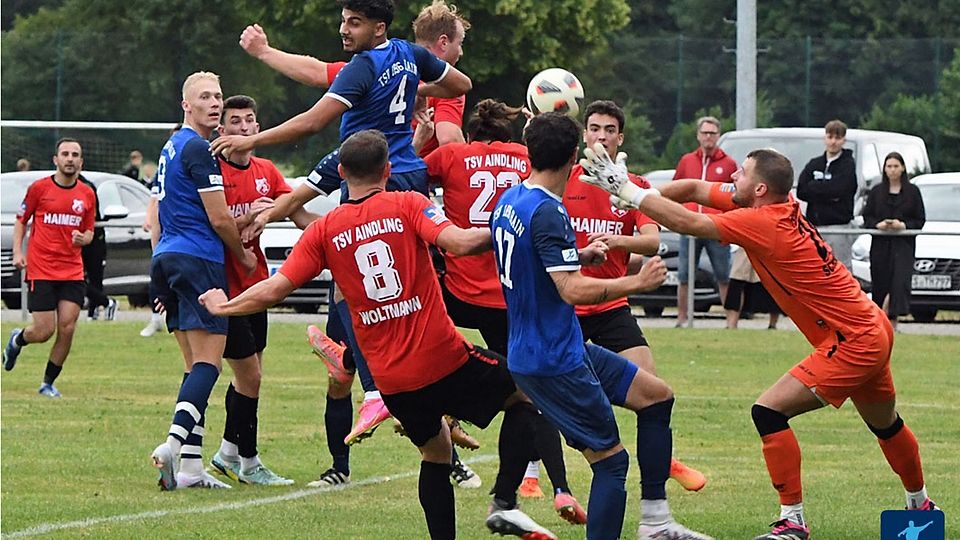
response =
{"points": [[591, 212], [376, 249], [473, 177]]}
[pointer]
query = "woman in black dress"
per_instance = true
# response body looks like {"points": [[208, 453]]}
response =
{"points": [[893, 205]]}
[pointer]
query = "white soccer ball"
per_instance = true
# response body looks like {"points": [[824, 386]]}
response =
{"points": [[555, 89]]}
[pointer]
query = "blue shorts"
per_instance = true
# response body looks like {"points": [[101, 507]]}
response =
{"points": [[178, 280], [718, 252], [326, 178], [579, 402]]}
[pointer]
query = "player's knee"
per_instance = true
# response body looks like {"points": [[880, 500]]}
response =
{"points": [[42, 333], [888, 432], [767, 420], [66, 328]]}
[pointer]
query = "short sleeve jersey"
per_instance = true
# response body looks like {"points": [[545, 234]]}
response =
{"points": [[797, 267], [444, 110], [242, 186], [473, 177], [590, 213], [379, 87], [532, 237], [376, 248], [56, 211], [184, 171]]}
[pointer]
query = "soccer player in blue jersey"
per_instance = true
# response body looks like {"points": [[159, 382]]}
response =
{"points": [[572, 383], [196, 226], [375, 90]]}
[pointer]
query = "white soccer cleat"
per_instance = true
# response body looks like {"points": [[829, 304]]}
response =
{"points": [[464, 476], [670, 530], [167, 464], [203, 480], [516, 523]]}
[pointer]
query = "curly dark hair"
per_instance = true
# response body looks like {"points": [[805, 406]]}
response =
{"points": [[552, 138]]}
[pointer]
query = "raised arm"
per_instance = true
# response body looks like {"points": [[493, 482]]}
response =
{"points": [[578, 289], [304, 124], [453, 84], [301, 68], [683, 191]]}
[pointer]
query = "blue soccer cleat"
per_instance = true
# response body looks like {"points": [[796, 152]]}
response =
{"points": [[12, 350]]}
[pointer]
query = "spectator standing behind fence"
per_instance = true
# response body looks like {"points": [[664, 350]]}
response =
{"points": [[708, 162], [893, 205], [94, 254], [132, 168], [746, 294], [828, 184]]}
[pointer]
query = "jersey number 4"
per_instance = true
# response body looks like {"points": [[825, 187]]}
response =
{"points": [[398, 104], [488, 184], [380, 279]]}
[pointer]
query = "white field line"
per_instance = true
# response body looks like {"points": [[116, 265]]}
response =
{"points": [[45, 528], [749, 401]]}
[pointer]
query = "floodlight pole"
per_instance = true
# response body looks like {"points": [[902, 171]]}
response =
{"points": [[746, 64]]}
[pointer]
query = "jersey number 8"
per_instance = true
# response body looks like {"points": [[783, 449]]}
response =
{"points": [[380, 279]]}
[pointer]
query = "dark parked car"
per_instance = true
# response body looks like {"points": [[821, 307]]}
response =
{"points": [[705, 289], [123, 204]]}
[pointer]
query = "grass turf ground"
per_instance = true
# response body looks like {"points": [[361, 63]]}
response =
{"points": [[83, 460]]}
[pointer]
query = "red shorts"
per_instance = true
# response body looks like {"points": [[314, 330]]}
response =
{"points": [[857, 368]]}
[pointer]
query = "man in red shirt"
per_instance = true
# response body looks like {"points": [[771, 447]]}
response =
{"points": [[440, 29], [250, 184], [611, 324], [375, 245], [708, 162], [63, 212], [852, 337]]}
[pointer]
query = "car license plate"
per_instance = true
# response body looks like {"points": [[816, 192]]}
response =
{"points": [[937, 283], [672, 279]]}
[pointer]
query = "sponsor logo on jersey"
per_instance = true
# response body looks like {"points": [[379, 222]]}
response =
{"points": [[619, 212], [719, 170], [78, 206], [23, 209], [215, 179], [570, 255], [263, 187], [727, 188]]}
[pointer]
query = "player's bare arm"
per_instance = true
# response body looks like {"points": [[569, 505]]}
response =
{"points": [[682, 191], [675, 217], [464, 241], [301, 68], [283, 206], [257, 298], [304, 124], [647, 242], [215, 205], [448, 133], [593, 254], [578, 289], [453, 84], [19, 231], [302, 217]]}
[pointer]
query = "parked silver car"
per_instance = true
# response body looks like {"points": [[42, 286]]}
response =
{"points": [[123, 204]]}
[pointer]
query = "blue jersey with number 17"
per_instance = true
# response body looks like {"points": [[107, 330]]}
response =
{"points": [[379, 87], [532, 237]]}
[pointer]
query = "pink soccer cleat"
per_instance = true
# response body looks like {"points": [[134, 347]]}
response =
{"points": [[331, 353], [373, 412]]}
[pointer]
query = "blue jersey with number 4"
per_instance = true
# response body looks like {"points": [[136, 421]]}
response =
{"points": [[379, 87], [532, 237], [184, 171]]}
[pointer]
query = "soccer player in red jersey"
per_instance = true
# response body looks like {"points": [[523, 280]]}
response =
{"points": [[473, 176], [250, 184], [440, 29], [376, 246], [63, 211], [852, 337], [611, 324]]}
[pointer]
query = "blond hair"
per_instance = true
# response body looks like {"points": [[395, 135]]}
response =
{"points": [[436, 20], [196, 77]]}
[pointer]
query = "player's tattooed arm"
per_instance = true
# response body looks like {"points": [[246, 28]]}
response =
{"points": [[578, 289]]}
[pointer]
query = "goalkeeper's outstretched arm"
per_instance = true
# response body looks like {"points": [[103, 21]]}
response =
{"points": [[683, 191]]}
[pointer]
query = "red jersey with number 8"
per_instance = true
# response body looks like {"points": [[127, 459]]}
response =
{"points": [[473, 177], [376, 248]]}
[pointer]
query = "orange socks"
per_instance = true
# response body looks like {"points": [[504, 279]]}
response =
{"points": [[903, 455], [781, 451]]}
